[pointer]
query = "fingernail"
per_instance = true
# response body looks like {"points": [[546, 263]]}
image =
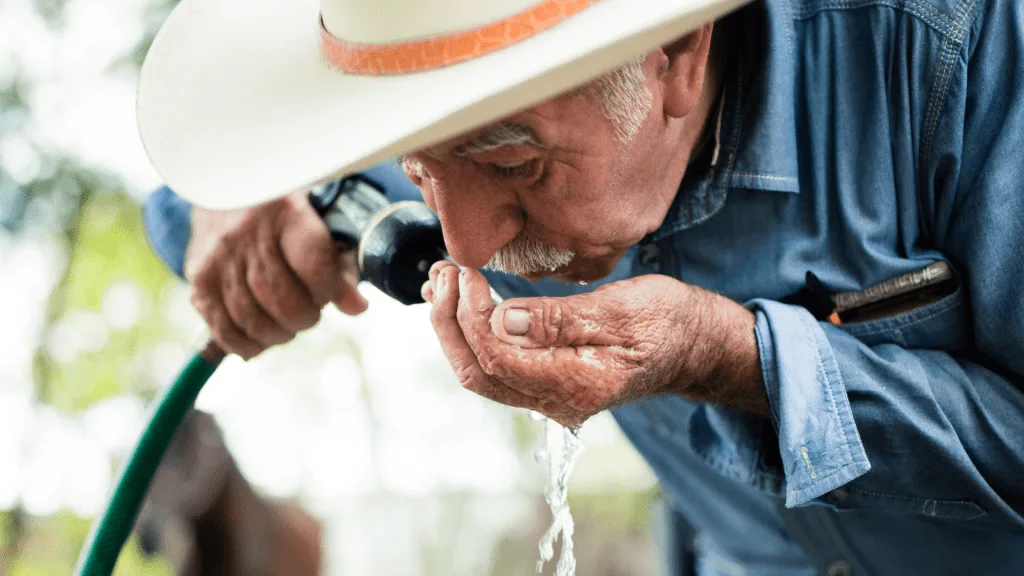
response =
{"points": [[517, 322], [439, 293]]}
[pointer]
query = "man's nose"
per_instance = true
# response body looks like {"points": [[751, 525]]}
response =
{"points": [[475, 225]]}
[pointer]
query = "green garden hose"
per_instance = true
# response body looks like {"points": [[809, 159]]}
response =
{"points": [[111, 530]]}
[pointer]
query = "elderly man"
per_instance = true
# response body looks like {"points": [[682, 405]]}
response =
{"points": [[783, 249]]}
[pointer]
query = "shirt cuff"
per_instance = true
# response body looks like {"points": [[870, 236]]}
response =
{"points": [[819, 445], [168, 221]]}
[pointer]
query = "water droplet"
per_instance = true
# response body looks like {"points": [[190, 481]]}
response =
{"points": [[582, 283]]}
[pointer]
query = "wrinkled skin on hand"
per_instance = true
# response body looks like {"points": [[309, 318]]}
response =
{"points": [[570, 358], [260, 275]]}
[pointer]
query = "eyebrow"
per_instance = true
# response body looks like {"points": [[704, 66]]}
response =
{"points": [[498, 136], [494, 137]]}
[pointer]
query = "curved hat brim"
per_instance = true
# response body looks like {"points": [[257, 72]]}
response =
{"points": [[235, 105]]}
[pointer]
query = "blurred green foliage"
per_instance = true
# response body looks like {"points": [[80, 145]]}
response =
{"points": [[49, 547], [98, 229], [111, 249]]}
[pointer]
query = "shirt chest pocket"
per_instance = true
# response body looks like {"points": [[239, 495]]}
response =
{"points": [[941, 325]]}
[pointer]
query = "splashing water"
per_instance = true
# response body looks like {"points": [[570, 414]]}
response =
{"points": [[561, 447]]}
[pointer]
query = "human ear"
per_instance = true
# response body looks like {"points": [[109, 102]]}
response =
{"points": [[682, 76]]}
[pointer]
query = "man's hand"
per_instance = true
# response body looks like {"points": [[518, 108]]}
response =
{"points": [[570, 358], [261, 275]]}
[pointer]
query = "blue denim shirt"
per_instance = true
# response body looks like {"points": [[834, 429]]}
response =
{"points": [[858, 140]]}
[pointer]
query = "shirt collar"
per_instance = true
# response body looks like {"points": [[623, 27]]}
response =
{"points": [[765, 151], [755, 123]]}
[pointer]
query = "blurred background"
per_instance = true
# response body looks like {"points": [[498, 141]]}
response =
{"points": [[358, 425]]}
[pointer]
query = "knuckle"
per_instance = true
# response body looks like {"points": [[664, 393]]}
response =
{"points": [[492, 364], [317, 263], [553, 314], [465, 373], [249, 323], [265, 288], [306, 318], [205, 272], [464, 314], [202, 303], [437, 315]]}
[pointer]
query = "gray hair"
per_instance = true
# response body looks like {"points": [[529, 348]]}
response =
{"points": [[624, 97]]}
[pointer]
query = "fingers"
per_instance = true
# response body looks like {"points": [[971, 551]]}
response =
{"points": [[456, 349], [278, 290], [427, 290], [310, 252], [246, 314], [222, 328], [475, 305]]}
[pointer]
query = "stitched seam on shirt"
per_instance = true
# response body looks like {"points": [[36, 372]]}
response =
{"points": [[940, 22], [822, 479], [899, 326], [849, 427], [764, 177], [942, 82], [973, 505], [938, 97]]}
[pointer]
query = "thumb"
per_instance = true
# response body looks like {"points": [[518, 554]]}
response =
{"points": [[584, 319]]}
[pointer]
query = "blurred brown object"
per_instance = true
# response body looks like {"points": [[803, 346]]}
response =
{"points": [[204, 517]]}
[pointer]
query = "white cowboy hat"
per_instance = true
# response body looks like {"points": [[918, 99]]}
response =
{"points": [[243, 101]]}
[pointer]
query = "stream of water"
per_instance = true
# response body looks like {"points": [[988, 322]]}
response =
{"points": [[561, 447]]}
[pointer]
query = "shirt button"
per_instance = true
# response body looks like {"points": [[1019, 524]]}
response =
{"points": [[839, 568], [836, 496]]}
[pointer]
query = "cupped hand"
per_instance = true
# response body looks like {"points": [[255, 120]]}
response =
{"points": [[570, 358]]}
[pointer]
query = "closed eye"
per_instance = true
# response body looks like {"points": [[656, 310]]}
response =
{"points": [[516, 169]]}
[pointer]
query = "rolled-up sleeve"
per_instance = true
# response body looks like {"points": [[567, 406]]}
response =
{"points": [[927, 429], [168, 221], [819, 445]]}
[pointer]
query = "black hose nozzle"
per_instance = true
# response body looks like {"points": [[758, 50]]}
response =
{"points": [[397, 243]]}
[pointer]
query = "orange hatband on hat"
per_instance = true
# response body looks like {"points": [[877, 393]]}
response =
{"points": [[420, 55]]}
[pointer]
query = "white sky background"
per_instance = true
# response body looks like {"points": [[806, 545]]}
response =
{"points": [[296, 428]]}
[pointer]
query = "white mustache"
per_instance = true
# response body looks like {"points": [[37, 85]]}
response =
{"points": [[523, 256]]}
